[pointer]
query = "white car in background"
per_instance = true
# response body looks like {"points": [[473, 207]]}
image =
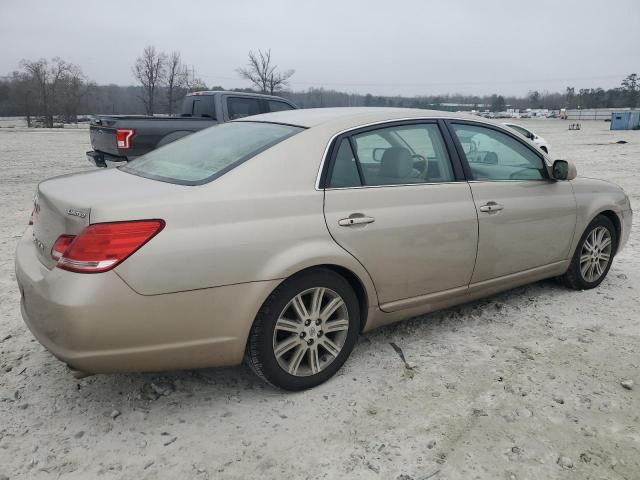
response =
{"points": [[539, 142]]}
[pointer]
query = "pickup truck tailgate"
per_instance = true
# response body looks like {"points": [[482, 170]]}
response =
{"points": [[103, 137]]}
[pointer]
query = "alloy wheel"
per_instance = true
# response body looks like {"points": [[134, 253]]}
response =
{"points": [[595, 254], [310, 331]]}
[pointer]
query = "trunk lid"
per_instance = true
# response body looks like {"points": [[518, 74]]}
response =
{"points": [[66, 205], [55, 214]]}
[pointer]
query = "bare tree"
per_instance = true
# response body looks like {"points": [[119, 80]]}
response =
{"points": [[73, 92], [265, 76], [175, 79], [23, 95], [191, 81], [47, 80], [149, 70]]}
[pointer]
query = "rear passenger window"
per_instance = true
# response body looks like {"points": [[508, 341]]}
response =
{"points": [[242, 107], [200, 108], [345, 171], [275, 106], [403, 155]]}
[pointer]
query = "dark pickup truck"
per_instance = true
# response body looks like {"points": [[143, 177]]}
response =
{"points": [[119, 138]]}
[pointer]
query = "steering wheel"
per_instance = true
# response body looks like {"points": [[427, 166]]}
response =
{"points": [[419, 163]]}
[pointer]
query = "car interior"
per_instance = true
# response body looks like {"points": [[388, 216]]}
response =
{"points": [[493, 155], [393, 156]]}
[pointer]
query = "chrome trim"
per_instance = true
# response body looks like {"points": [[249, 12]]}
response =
{"points": [[454, 182], [550, 180], [394, 185], [394, 120]]}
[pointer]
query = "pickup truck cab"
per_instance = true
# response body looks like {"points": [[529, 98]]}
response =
{"points": [[119, 138]]}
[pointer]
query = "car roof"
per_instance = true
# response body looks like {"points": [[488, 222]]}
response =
{"points": [[235, 94], [352, 116], [511, 124]]}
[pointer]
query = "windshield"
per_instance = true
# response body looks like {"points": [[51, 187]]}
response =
{"points": [[210, 153]]}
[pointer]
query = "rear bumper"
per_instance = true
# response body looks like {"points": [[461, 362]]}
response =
{"points": [[96, 323], [104, 160]]}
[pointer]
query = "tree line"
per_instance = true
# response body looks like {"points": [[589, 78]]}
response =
{"points": [[51, 91]]}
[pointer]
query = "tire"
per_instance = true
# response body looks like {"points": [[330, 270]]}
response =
{"points": [[287, 346], [576, 277]]}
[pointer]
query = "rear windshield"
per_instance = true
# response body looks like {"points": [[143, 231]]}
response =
{"points": [[201, 157]]}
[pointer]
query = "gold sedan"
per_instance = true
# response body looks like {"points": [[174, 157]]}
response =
{"points": [[279, 238]]}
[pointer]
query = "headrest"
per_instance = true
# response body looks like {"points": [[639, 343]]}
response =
{"points": [[396, 162]]}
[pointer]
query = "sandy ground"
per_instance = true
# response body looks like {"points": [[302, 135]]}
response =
{"points": [[500, 389]]}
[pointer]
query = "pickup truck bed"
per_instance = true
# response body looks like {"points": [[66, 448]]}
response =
{"points": [[119, 138]]}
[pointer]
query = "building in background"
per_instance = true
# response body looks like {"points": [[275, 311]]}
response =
{"points": [[625, 120]]}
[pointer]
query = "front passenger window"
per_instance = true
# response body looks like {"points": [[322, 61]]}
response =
{"points": [[493, 155]]}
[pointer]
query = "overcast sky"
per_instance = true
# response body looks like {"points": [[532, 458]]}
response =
{"points": [[407, 47]]}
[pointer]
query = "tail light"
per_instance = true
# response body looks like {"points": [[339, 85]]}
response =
{"points": [[123, 137], [61, 246], [32, 218], [102, 246]]}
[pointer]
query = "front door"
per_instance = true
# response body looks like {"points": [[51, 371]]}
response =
{"points": [[393, 202], [526, 219]]}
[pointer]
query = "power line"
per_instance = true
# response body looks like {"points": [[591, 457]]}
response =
{"points": [[435, 84]]}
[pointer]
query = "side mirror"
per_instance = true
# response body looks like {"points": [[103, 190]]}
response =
{"points": [[564, 170]]}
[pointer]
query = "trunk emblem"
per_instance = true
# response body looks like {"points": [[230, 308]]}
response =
{"points": [[76, 213], [38, 243]]}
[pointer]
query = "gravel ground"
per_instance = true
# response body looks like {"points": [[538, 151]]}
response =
{"points": [[522, 385]]}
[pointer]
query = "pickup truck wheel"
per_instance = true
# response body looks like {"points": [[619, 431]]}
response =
{"points": [[593, 256], [305, 330]]}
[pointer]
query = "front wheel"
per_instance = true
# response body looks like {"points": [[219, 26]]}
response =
{"points": [[305, 330], [593, 256]]}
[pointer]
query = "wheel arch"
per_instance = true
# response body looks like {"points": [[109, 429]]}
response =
{"points": [[358, 288], [617, 223], [605, 212]]}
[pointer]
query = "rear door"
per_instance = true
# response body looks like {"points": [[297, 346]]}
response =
{"points": [[526, 219], [395, 201]]}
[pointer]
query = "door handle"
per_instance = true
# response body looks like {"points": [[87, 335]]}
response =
{"points": [[355, 219], [490, 207]]}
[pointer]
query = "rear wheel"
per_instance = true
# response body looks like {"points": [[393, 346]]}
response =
{"points": [[305, 330], [593, 256]]}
